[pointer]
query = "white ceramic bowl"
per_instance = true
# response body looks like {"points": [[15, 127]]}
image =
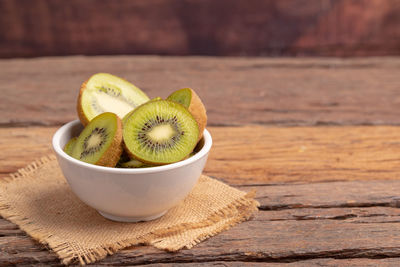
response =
{"points": [[129, 195]]}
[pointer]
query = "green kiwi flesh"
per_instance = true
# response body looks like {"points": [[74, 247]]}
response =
{"points": [[70, 145], [100, 142], [104, 92], [128, 114], [182, 96], [160, 132]]}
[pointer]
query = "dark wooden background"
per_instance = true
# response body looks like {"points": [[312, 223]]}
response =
{"points": [[30, 28]]}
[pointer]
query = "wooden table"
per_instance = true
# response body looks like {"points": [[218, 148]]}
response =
{"points": [[317, 138]]}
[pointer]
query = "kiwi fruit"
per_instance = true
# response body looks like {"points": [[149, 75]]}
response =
{"points": [[126, 162], [104, 92], [160, 132], [188, 98], [133, 163], [100, 142], [70, 145]]}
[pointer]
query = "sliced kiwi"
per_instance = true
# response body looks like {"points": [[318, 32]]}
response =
{"points": [[160, 132], [126, 162], [100, 142], [133, 163], [188, 98], [104, 92], [70, 145]]}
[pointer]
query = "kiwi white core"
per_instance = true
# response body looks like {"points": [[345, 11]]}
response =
{"points": [[105, 101], [162, 132], [94, 141]]}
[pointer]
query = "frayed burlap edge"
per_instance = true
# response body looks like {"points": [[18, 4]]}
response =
{"points": [[238, 211]]}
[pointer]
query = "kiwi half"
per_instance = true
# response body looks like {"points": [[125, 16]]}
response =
{"points": [[188, 98], [104, 92], [70, 145], [160, 132], [100, 142]]}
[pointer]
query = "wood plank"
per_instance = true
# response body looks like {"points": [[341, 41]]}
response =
{"points": [[358, 226], [258, 155], [330, 196], [236, 91], [245, 155], [207, 27]]}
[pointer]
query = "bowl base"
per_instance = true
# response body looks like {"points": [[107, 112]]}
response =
{"points": [[131, 219]]}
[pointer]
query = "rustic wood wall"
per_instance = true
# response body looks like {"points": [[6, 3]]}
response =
{"points": [[202, 27]]}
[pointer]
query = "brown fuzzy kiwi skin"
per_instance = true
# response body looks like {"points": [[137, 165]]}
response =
{"points": [[113, 154], [198, 111], [82, 117]]}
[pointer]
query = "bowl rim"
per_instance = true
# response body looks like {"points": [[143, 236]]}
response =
{"points": [[60, 152]]}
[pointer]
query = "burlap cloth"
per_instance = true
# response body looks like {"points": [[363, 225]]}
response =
{"points": [[38, 199]]}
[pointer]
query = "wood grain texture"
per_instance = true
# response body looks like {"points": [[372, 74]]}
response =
{"points": [[206, 27], [302, 220], [259, 154], [235, 91], [349, 223]]}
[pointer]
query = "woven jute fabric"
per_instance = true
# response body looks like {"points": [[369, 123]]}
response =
{"points": [[38, 199]]}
